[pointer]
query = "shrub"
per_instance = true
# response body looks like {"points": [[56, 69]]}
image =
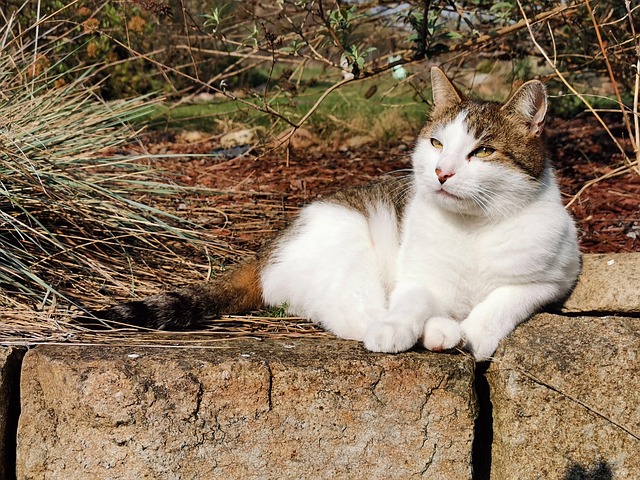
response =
{"points": [[74, 225]]}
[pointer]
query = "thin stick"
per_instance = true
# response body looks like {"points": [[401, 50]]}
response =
{"points": [[35, 47], [567, 84], [612, 77], [636, 118], [614, 173], [517, 26], [576, 400]]}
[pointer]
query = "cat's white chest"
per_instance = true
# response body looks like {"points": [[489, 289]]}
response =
{"points": [[446, 256]]}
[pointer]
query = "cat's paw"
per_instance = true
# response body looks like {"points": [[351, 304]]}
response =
{"points": [[441, 333], [481, 342], [389, 337]]}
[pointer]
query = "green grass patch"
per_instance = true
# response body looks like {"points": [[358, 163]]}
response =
{"points": [[377, 107], [275, 312]]}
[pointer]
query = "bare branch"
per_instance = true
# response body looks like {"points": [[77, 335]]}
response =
{"points": [[612, 77]]}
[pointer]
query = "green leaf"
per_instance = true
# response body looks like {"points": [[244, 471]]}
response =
{"points": [[501, 7]]}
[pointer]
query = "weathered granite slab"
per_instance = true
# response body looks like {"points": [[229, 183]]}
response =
{"points": [[609, 283], [566, 399], [249, 409]]}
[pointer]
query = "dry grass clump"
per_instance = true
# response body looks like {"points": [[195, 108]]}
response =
{"points": [[77, 223], [84, 217]]}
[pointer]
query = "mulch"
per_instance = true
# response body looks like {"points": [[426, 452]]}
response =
{"points": [[263, 188]]}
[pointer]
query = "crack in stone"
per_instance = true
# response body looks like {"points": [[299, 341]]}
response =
{"points": [[428, 394], [425, 430], [269, 388], [483, 428], [429, 461], [199, 394], [374, 385], [11, 412]]}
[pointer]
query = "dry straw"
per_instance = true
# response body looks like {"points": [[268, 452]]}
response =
{"points": [[79, 223]]}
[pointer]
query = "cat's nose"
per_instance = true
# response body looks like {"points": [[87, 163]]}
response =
{"points": [[442, 177]]}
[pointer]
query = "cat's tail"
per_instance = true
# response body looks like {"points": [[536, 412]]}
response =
{"points": [[235, 291]]}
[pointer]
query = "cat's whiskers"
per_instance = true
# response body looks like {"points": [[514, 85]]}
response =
{"points": [[495, 210], [400, 170], [402, 187], [485, 199]]}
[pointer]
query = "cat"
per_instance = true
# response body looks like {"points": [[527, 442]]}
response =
{"points": [[457, 254]]}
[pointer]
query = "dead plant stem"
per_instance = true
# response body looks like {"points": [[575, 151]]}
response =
{"points": [[636, 90], [629, 165], [575, 400], [565, 81], [612, 77]]}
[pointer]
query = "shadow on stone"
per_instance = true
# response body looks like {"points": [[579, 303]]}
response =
{"points": [[483, 429], [600, 471], [9, 410]]}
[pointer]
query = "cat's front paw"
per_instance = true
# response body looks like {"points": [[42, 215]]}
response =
{"points": [[481, 342], [389, 337], [441, 333]]}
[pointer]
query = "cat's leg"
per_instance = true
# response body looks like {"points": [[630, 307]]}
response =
{"points": [[409, 307], [441, 333], [326, 269], [497, 315]]}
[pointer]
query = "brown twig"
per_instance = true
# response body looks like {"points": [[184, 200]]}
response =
{"points": [[572, 398], [562, 78], [612, 77], [636, 90]]}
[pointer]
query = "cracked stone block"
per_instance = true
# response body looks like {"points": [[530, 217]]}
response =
{"points": [[608, 283], [245, 409], [9, 408], [566, 399]]}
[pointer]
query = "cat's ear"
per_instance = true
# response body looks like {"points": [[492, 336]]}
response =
{"points": [[530, 101], [444, 92]]}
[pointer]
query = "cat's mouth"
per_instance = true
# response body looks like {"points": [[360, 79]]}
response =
{"points": [[441, 192]]}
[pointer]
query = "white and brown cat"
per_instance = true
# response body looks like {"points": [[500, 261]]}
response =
{"points": [[474, 242]]}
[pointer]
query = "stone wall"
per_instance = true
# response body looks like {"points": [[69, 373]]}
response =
{"points": [[270, 409], [561, 400], [608, 284], [566, 397]]}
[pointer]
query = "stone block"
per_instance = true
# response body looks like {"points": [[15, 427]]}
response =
{"points": [[565, 394], [247, 409], [608, 283]]}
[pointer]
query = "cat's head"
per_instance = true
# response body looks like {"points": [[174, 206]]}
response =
{"points": [[481, 158]]}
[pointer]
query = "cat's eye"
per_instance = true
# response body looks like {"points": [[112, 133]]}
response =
{"points": [[482, 152], [436, 143]]}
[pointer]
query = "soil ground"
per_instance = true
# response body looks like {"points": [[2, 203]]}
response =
{"points": [[261, 189]]}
